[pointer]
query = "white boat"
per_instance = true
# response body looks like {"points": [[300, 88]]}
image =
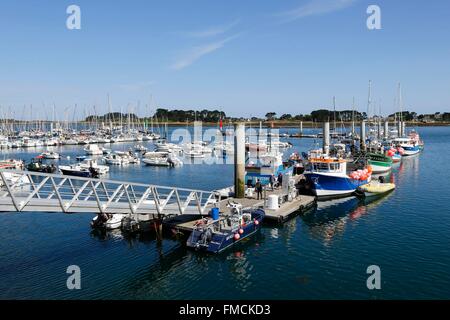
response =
{"points": [[115, 159], [140, 148], [108, 221], [199, 146], [69, 142], [50, 142], [160, 159], [164, 146], [50, 155], [93, 150], [90, 163], [129, 156], [194, 153]]}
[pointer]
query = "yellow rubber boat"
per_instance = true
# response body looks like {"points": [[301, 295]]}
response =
{"points": [[375, 188]]}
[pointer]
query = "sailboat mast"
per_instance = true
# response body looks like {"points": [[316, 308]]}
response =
{"points": [[334, 115], [369, 99]]}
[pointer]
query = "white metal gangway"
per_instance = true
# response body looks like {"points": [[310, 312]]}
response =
{"points": [[41, 192]]}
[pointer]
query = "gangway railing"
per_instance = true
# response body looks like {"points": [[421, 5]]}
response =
{"points": [[43, 192]]}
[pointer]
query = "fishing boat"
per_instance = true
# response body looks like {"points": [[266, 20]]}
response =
{"points": [[394, 153], [50, 155], [414, 136], [108, 221], [217, 233], [375, 188], [328, 177], [410, 147], [379, 162]]}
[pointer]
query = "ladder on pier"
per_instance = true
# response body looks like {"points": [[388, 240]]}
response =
{"points": [[25, 191]]}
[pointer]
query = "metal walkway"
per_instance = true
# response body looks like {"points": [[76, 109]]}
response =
{"points": [[40, 192]]}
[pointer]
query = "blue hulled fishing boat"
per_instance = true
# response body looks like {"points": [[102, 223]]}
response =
{"points": [[219, 233], [328, 177]]}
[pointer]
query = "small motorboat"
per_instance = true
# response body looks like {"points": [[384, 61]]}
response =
{"points": [[161, 159], [12, 164], [50, 155], [93, 150], [115, 159], [108, 221], [91, 163], [36, 165], [79, 171], [194, 154], [375, 188], [217, 233], [129, 157]]}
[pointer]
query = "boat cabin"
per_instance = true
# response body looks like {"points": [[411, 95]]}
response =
{"points": [[328, 165]]}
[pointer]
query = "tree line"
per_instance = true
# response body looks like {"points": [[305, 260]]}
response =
{"points": [[319, 115]]}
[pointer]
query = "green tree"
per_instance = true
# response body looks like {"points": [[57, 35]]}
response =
{"points": [[270, 116]]}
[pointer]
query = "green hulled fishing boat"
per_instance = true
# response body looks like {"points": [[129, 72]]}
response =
{"points": [[379, 162]]}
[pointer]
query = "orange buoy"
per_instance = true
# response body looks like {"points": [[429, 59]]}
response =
{"points": [[237, 236]]}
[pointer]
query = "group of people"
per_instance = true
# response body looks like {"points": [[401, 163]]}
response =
{"points": [[273, 183]]}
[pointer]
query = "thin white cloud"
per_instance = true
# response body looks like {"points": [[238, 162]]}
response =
{"points": [[212, 31], [316, 7], [137, 86], [198, 52]]}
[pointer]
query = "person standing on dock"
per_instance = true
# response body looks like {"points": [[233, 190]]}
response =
{"points": [[272, 181], [259, 189], [280, 179]]}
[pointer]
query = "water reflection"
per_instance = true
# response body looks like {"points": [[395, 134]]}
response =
{"points": [[330, 218], [409, 165]]}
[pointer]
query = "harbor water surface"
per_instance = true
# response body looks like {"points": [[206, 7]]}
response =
{"points": [[322, 254]]}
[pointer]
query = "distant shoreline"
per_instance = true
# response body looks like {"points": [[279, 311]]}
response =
{"points": [[265, 124]]}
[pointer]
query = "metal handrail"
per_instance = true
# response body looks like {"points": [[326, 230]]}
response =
{"points": [[62, 193]]}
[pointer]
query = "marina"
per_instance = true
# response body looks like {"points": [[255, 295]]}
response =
{"points": [[276, 185], [288, 212], [262, 154]]}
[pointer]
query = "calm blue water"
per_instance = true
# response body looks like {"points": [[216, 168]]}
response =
{"points": [[321, 255]]}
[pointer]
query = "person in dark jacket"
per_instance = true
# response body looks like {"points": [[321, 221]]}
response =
{"points": [[259, 189], [272, 181], [280, 179]]}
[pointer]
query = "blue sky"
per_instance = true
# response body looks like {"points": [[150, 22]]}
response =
{"points": [[244, 57]]}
